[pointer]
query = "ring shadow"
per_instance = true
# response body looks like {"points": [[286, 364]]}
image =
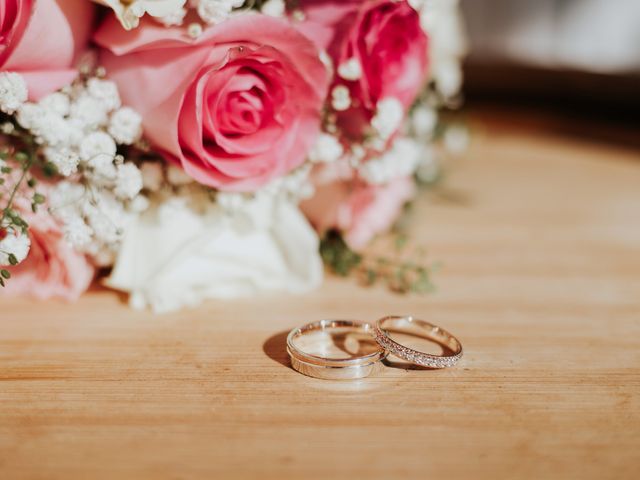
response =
{"points": [[275, 347]]}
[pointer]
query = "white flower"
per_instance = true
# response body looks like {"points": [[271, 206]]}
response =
{"points": [[28, 114], [13, 91], [104, 91], [194, 30], [65, 160], [89, 112], [128, 181], [175, 255], [350, 69], [442, 21], [326, 149], [175, 18], [274, 8], [401, 160], [77, 232], [97, 144], [423, 121], [57, 103], [215, 11], [340, 98], [152, 176], [125, 126], [16, 244], [98, 149], [388, 118], [106, 216], [65, 199], [52, 129], [129, 12], [139, 204]]}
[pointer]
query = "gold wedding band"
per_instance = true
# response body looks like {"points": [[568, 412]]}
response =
{"points": [[347, 368]]}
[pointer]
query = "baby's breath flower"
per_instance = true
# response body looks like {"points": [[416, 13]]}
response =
{"points": [[125, 126], [104, 91], [326, 149], [350, 69], [388, 118], [14, 247], [128, 181], [274, 8], [13, 91], [65, 160], [340, 98], [215, 11], [57, 103], [89, 112], [97, 144]]}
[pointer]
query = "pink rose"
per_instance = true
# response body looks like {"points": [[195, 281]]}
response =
{"points": [[236, 107], [53, 269], [382, 41], [40, 39], [358, 210]]}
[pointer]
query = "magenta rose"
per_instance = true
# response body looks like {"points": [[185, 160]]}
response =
{"points": [[40, 40], [378, 49], [236, 107]]}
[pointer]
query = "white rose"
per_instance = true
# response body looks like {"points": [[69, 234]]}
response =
{"points": [[183, 250]]}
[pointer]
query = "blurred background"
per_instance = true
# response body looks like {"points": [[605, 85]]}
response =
{"points": [[578, 59]]}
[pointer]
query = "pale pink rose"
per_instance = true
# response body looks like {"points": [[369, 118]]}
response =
{"points": [[40, 40], [384, 38], [236, 107], [358, 210], [53, 269]]}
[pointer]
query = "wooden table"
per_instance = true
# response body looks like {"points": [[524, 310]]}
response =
{"points": [[541, 281]]}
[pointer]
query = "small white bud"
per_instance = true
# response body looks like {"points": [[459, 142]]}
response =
{"points": [[340, 98], [350, 69]]}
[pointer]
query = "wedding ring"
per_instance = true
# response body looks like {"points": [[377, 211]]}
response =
{"points": [[328, 335], [418, 328]]}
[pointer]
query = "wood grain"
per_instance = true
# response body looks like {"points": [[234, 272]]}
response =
{"points": [[541, 282]]}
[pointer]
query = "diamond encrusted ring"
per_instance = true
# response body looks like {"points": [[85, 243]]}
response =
{"points": [[419, 328]]}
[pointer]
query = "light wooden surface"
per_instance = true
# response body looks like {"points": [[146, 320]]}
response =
{"points": [[541, 282]]}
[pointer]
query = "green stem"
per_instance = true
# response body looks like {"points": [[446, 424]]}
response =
{"points": [[25, 170]]}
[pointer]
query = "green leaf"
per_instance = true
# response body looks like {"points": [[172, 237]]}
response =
{"points": [[38, 198], [5, 273], [337, 255], [13, 260]]}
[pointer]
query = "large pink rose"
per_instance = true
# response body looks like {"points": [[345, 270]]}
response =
{"points": [[53, 269], [384, 37], [236, 107], [41, 38], [358, 210]]}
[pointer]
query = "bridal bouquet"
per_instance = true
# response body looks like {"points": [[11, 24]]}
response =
{"points": [[189, 149]]}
